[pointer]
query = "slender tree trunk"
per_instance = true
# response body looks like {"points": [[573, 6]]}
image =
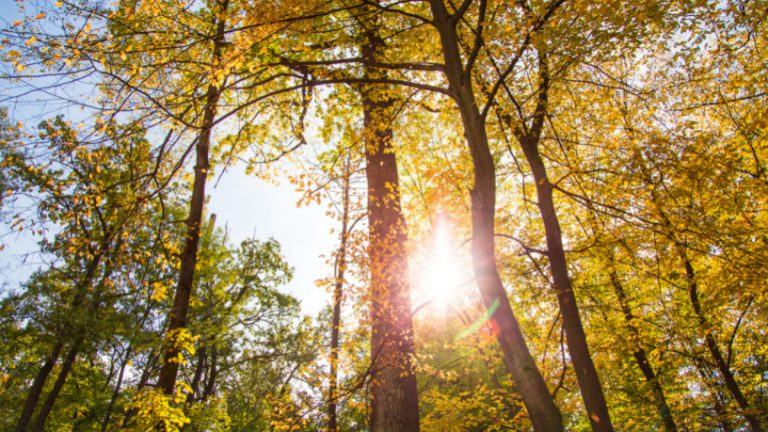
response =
{"points": [[213, 373], [42, 376], [642, 357], [146, 373], [709, 338], [586, 373], [395, 405], [713, 347], [202, 354], [66, 367], [37, 387], [116, 391], [177, 319], [341, 265], [717, 395], [538, 401]]}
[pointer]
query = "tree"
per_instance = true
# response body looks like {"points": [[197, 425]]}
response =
{"points": [[538, 401]]}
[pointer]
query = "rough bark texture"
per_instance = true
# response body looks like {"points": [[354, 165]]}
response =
{"points": [[177, 318], [538, 401], [642, 357], [394, 404]]}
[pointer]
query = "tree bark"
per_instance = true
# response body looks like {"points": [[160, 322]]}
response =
{"points": [[714, 349], [37, 387], [538, 401], [586, 373], [642, 357], [42, 376], [213, 373], [177, 318], [116, 391], [395, 405], [202, 355], [341, 265], [66, 367], [717, 396], [693, 293]]}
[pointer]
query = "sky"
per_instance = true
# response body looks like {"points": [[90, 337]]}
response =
{"points": [[246, 205]]}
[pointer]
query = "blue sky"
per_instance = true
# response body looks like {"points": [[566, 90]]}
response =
{"points": [[247, 206]]}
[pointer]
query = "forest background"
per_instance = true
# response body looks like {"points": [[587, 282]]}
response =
{"points": [[542, 215]]}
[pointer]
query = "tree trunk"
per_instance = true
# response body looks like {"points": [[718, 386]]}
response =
{"points": [[202, 355], [642, 357], [66, 367], [341, 264], [37, 387], [177, 318], [538, 401], [395, 405], [709, 338], [714, 348], [717, 396], [213, 372], [42, 376], [116, 391], [586, 374]]}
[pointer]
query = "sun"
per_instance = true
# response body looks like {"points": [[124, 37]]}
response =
{"points": [[444, 275]]}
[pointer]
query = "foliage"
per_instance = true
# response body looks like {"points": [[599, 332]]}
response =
{"points": [[642, 124]]}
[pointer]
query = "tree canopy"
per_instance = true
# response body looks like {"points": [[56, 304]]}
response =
{"points": [[549, 215]]}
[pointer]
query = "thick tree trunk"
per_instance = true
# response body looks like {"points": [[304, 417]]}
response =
{"points": [[395, 405], [642, 357], [538, 401], [177, 318], [341, 265], [66, 367], [37, 387]]}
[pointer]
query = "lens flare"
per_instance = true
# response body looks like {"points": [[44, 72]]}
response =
{"points": [[443, 276]]}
